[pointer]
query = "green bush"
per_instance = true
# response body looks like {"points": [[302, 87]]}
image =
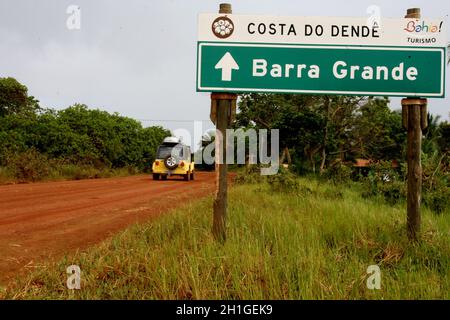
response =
{"points": [[393, 191], [29, 165], [5, 175], [250, 175], [384, 181], [287, 182], [338, 173], [437, 200]]}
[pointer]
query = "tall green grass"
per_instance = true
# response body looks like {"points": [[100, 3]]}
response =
{"points": [[314, 245]]}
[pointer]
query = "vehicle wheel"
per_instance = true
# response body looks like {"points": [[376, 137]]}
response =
{"points": [[170, 162], [192, 175], [156, 176], [187, 176], [164, 177]]}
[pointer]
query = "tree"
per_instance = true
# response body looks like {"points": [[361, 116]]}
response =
{"points": [[378, 132], [14, 98], [302, 130], [323, 129], [290, 114]]}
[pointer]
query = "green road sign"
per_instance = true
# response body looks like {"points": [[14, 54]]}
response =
{"points": [[321, 69]]}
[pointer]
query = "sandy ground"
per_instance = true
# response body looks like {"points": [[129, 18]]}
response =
{"points": [[42, 221]]}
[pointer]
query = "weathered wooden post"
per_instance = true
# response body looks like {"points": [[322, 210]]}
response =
{"points": [[414, 113], [222, 110]]}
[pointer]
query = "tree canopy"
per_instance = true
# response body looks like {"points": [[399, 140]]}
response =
{"points": [[322, 129], [14, 98], [76, 134]]}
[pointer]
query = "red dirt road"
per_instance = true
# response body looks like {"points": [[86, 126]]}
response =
{"points": [[46, 220]]}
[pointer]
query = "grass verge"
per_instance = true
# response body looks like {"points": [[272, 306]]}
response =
{"points": [[314, 245], [65, 172]]}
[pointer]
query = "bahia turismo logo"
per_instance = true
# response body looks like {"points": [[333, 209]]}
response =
{"points": [[222, 27], [420, 32]]}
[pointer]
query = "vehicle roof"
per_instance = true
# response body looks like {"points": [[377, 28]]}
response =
{"points": [[171, 140]]}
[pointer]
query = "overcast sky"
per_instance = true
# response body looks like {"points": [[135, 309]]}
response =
{"points": [[138, 57]]}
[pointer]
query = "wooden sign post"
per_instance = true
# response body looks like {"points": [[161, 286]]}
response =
{"points": [[223, 106], [414, 113]]}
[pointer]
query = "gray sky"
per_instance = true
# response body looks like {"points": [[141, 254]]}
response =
{"points": [[138, 57]]}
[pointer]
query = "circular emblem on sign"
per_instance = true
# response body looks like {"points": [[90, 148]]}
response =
{"points": [[222, 27]]}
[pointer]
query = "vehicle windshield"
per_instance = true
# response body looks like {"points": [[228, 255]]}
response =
{"points": [[164, 151]]}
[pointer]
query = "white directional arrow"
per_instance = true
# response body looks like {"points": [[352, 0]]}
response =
{"points": [[227, 64]]}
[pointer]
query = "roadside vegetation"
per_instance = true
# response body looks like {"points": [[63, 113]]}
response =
{"points": [[327, 136], [73, 143], [288, 238]]}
